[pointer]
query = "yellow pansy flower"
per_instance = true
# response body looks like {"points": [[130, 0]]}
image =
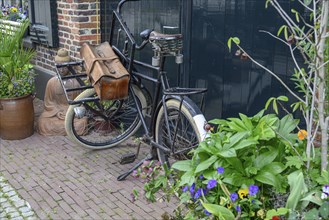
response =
{"points": [[13, 9], [243, 193], [261, 213]]}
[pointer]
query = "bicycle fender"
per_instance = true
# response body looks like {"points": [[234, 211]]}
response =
{"points": [[197, 115]]}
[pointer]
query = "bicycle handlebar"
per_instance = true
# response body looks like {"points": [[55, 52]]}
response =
{"points": [[122, 2]]}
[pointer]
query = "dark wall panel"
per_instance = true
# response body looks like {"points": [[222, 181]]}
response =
{"points": [[236, 85]]}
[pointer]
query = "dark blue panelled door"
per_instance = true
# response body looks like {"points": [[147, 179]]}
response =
{"points": [[235, 84]]}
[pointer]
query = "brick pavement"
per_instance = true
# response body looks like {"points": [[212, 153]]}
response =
{"points": [[60, 180]]}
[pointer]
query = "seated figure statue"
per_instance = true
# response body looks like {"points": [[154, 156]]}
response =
{"points": [[52, 120]]}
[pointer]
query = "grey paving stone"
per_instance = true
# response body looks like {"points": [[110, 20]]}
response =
{"points": [[24, 209], [11, 193], [19, 203], [11, 205], [2, 215], [10, 209], [14, 214], [6, 188], [28, 214]]}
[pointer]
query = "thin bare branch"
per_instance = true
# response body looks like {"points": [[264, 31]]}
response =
{"points": [[307, 82], [276, 37], [273, 74], [289, 21], [315, 132], [325, 63], [302, 3]]}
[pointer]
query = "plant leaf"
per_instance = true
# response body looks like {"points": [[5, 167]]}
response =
{"points": [[283, 98], [229, 43], [266, 3], [236, 40], [307, 2], [219, 211], [281, 29], [227, 153], [324, 210], [183, 165], [266, 158], [205, 164], [297, 189], [312, 214], [235, 139], [268, 102], [187, 179], [274, 167], [294, 161], [244, 143], [267, 178], [313, 197], [275, 106]]}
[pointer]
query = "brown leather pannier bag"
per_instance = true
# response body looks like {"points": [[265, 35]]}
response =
{"points": [[105, 71]]}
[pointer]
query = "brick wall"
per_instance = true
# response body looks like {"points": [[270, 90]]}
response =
{"points": [[78, 22]]}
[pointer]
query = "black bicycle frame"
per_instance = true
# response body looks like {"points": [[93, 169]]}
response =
{"points": [[161, 82]]}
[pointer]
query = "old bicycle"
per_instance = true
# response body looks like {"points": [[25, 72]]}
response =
{"points": [[172, 123]]}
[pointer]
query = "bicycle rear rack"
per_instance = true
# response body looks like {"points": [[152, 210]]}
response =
{"points": [[184, 91], [69, 68]]}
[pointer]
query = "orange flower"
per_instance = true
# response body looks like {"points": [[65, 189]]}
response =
{"points": [[302, 134]]}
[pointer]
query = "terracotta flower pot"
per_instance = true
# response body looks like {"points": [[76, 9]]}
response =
{"points": [[16, 117]]}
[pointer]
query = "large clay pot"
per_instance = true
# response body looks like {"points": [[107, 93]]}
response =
{"points": [[16, 117]]}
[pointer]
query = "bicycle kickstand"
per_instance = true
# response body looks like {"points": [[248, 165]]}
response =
{"points": [[123, 176]]}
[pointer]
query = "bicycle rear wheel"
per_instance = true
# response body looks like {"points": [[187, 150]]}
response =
{"points": [[185, 131], [104, 124]]}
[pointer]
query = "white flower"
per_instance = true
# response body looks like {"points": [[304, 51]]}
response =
{"points": [[325, 192]]}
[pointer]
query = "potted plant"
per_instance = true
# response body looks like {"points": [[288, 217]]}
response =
{"points": [[16, 85], [11, 18]]}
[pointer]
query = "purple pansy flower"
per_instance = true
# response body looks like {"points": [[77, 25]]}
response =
{"points": [[185, 188], [238, 208], [220, 170], [211, 184], [198, 193], [192, 188], [206, 212], [201, 176], [234, 197], [253, 189]]}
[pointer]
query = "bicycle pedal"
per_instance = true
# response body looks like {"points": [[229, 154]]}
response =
{"points": [[127, 158]]}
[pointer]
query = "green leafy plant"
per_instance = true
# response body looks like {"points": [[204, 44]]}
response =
{"points": [[266, 167], [251, 167], [305, 33], [16, 74]]}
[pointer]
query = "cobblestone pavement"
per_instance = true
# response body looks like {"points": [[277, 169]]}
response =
{"points": [[12, 206], [53, 178]]}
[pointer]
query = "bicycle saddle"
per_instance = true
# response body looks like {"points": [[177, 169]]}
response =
{"points": [[159, 36], [145, 34]]}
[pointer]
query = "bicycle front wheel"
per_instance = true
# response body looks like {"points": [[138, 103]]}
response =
{"points": [[181, 134], [104, 124]]}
